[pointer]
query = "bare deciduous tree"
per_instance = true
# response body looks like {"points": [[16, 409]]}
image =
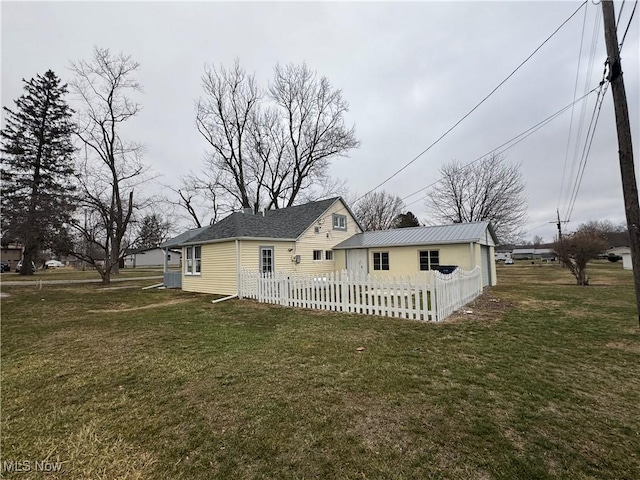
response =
{"points": [[225, 118], [576, 249], [314, 121], [112, 167], [270, 150], [201, 199], [378, 210], [614, 235], [489, 190]]}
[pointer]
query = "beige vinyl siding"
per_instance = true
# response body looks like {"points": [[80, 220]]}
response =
{"points": [[406, 260], [250, 254], [218, 273], [324, 240], [488, 241], [477, 252], [340, 259], [492, 264]]}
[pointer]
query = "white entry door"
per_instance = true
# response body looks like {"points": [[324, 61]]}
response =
{"points": [[357, 260]]}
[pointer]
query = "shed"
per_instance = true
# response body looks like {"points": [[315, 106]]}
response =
{"points": [[406, 251]]}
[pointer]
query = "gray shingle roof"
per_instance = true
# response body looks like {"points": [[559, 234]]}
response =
{"points": [[285, 223], [455, 233], [182, 238]]}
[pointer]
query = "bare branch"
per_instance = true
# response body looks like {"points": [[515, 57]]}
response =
{"points": [[490, 190]]}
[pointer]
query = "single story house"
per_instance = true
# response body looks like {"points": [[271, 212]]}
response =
{"points": [[152, 257], [318, 238], [405, 251], [502, 256], [294, 239], [530, 253]]}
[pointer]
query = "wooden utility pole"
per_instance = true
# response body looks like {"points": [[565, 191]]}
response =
{"points": [[559, 225], [625, 149]]}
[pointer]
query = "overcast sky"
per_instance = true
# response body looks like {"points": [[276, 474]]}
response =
{"points": [[408, 70]]}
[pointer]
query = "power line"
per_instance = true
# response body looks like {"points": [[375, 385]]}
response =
{"points": [[583, 111], [575, 92], [628, 24], [511, 143], [587, 147], [620, 12], [476, 107]]}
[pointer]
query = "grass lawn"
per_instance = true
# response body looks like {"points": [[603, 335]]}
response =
{"points": [[540, 381]]}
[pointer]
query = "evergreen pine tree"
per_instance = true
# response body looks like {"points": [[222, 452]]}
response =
{"points": [[153, 231], [37, 167], [405, 220]]}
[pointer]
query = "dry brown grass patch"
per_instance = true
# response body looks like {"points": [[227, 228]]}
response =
{"points": [[125, 308], [486, 308], [626, 346]]}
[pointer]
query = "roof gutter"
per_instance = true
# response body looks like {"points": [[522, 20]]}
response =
{"points": [[231, 239], [413, 244]]}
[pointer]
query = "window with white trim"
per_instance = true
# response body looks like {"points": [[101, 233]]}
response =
{"points": [[328, 254], [339, 222], [429, 259], [317, 255], [381, 260], [266, 259], [193, 260]]}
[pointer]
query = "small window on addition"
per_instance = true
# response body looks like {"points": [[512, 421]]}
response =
{"points": [[317, 255], [328, 254]]}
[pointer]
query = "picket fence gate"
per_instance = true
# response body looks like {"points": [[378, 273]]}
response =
{"points": [[425, 296]]}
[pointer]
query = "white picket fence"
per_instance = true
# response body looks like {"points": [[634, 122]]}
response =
{"points": [[426, 296]]}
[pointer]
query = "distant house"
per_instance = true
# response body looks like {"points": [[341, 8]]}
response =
{"points": [[530, 253], [294, 239], [11, 254], [152, 257], [406, 251], [624, 252], [502, 256], [618, 251]]}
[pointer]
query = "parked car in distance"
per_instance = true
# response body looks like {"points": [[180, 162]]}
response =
{"points": [[19, 266], [53, 264], [4, 266], [508, 261]]}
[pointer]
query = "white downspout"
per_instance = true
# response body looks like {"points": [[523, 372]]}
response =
{"points": [[473, 256], [238, 269]]}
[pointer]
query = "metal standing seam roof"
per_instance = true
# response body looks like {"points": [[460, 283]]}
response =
{"points": [[285, 224], [455, 233]]}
